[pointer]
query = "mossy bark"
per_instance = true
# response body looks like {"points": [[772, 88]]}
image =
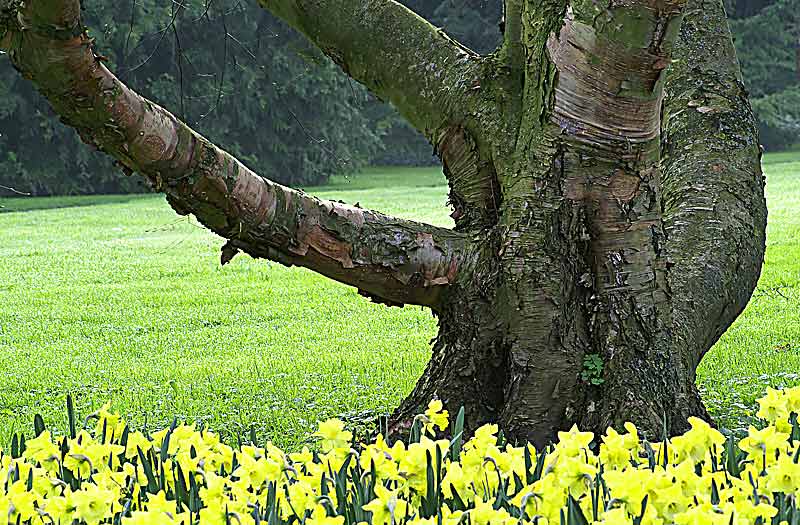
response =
{"points": [[626, 217], [597, 213]]}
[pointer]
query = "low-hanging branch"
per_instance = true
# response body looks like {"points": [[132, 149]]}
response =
{"points": [[392, 260]]}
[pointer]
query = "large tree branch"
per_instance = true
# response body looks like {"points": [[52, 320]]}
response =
{"points": [[395, 53], [512, 50], [714, 207], [396, 261]]}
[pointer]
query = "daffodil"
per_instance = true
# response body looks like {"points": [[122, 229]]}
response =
{"points": [[387, 507], [92, 504], [22, 503], [784, 476], [490, 484], [137, 441], [484, 513], [762, 445], [615, 451], [435, 417], [320, 517], [333, 435], [573, 442], [43, 451], [698, 442], [772, 407], [109, 423]]}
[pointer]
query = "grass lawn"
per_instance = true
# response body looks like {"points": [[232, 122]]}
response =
{"points": [[116, 298], [762, 348]]}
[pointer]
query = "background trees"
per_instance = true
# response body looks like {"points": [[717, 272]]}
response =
{"points": [[768, 45], [283, 108], [239, 75]]}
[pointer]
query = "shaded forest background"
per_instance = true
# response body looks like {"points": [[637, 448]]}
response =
{"points": [[255, 87]]}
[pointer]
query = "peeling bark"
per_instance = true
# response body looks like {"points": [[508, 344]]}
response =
{"points": [[474, 191], [611, 61]]}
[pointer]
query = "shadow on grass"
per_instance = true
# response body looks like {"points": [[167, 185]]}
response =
{"points": [[22, 204]]}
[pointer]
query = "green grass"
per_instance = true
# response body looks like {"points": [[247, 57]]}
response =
{"points": [[762, 348], [115, 298], [782, 156], [118, 298]]}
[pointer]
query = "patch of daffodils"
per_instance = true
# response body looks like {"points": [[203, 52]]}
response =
{"points": [[181, 475]]}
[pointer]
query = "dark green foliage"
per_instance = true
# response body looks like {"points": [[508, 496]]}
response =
{"points": [[402, 144], [779, 118], [745, 8], [271, 99], [233, 72], [476, 23], [767, 46], [41, 156]]}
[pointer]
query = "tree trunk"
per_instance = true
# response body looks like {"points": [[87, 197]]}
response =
{"points": [[608, 230], [624, 250]]}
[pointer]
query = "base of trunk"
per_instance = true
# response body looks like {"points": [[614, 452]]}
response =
{"points": [[470, 368], [467, 368]]}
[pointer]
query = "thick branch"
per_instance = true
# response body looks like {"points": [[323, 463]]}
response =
{"points": [[512, 50], [394, 52], [715, 213], [396, 261]]}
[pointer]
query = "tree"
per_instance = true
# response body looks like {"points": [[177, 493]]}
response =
{"points": [[597, 220]]}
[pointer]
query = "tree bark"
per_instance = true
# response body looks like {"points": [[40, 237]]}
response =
{"points": [[608, 201], [714, 209]]}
